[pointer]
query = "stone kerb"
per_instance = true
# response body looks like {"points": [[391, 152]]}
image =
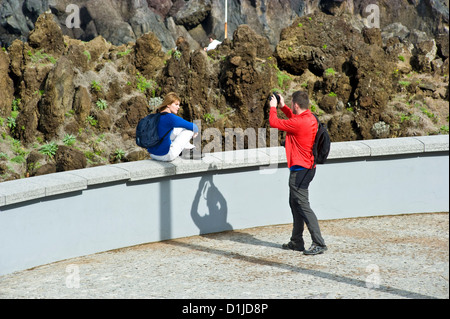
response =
{"points": [[13, 192], [438, 143]]}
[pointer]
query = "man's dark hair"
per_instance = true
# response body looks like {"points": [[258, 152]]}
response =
{"points": [[301, 98]]}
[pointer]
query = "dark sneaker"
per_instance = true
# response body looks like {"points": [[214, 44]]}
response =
{"points": [[315, 250], [290, 245]]}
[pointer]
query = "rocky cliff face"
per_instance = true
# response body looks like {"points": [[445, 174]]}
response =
{"points": [[122, 21], [68, 104]]}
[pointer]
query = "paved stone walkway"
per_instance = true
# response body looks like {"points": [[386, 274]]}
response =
{"points": [[405, 256]]}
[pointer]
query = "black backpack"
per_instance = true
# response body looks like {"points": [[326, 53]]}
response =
{"points": [[147, 131], [322, 144]]}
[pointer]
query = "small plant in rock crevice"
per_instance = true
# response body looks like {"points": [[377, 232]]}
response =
{"points": [[49, 149], [101, 104], [69, 139]]}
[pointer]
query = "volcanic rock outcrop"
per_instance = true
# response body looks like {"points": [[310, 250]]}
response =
{"points": [[68, 104]]}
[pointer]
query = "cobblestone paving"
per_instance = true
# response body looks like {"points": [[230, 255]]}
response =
{"points": [[389, 257]]}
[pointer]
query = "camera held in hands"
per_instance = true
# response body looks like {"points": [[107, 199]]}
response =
{"points": [[277, 96]]}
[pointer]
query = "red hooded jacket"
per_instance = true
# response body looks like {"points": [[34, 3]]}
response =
{"points": [[301, 131]]}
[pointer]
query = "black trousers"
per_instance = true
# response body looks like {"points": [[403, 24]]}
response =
{"points": [[301, 210]]}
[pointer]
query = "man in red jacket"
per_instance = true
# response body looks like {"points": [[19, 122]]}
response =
{"points": [[301, 128]]}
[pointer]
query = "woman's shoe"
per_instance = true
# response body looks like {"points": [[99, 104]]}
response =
{"points": [[191, 155]]}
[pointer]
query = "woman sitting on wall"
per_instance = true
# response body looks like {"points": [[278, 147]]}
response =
{"points": [[181, 133]]}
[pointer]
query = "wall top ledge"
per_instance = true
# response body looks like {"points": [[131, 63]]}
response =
{"points": [[13, 192]]}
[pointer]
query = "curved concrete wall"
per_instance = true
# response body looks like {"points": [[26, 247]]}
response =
{"points": [[54, 217]]}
